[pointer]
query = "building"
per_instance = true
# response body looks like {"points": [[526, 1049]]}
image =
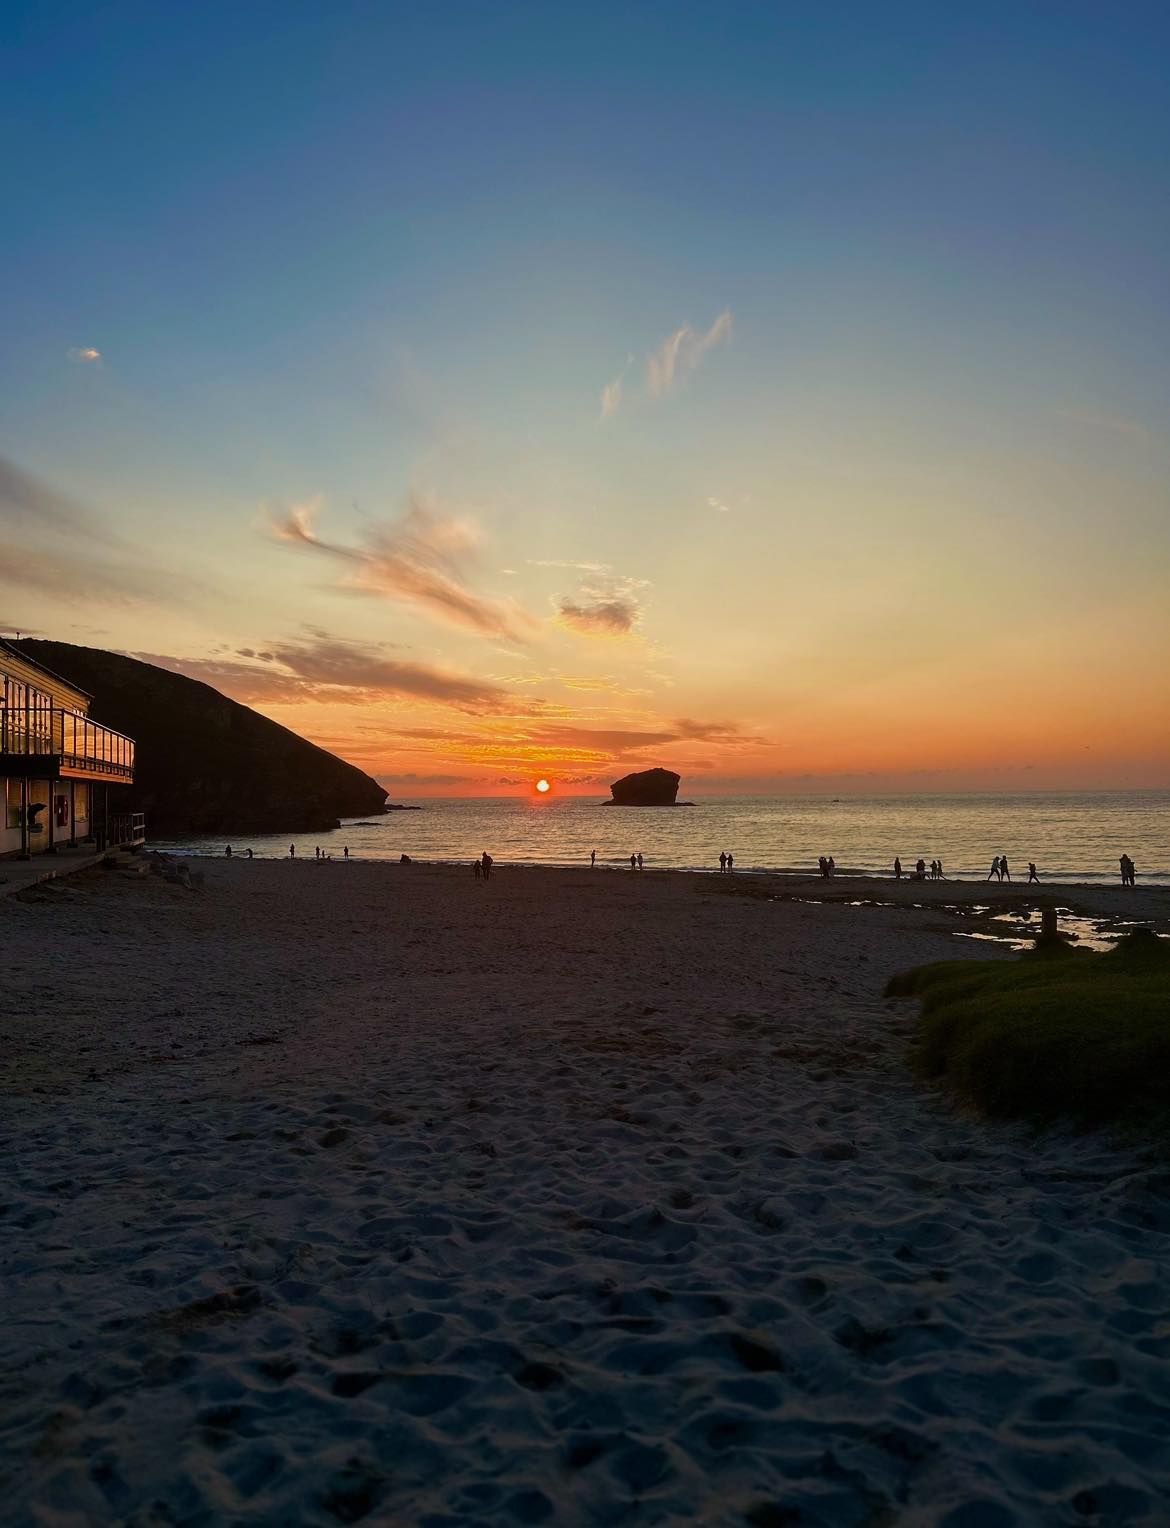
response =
{"points": [[57, 766]]}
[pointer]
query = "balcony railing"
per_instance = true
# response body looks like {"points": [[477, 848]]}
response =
{"points": [[70, 742]]}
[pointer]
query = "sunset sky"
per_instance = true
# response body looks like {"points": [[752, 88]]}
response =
{"points": [[779, 393]]}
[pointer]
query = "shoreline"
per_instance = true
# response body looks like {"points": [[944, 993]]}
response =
{"points": [[1148, 903]]}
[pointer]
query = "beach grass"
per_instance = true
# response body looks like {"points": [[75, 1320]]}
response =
{"points": [[1058, 1033]]}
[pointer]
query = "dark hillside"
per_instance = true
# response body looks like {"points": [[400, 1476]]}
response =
{"points": [[204, 763]]}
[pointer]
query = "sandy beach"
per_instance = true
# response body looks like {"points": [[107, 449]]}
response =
{"points": [[358, 1192]]}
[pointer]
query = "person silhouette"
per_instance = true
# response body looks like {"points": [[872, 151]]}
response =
{"points": [[633, 862], [228, 852], [487, 865], [1128, 871], [993, 873], [292, 851], [940, 870], [640, 865], [1004, 873], [722, 863], [592, 859], [730, 863], [1032, 876], [920, 870], [897, 868], [477, 869], [345, 852], [248, 852], [830, 867]]}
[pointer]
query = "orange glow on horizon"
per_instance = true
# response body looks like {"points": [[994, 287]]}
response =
{"points": [[543, 787]]}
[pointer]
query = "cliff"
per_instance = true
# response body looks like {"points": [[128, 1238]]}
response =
{"points": [[649, 787], [205, 764]]}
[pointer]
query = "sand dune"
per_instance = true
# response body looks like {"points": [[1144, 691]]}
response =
{"points": [[342, 1193]]}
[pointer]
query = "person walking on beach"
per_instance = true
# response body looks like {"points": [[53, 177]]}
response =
{"points": [[722, 863], [831, 867], [633, 862], [292, 851], [1032, 876], [1128, 871], [920, 870], [730, 863], [345, 852], [993, 873], [228, 852], [487, 865], [640, 865], [477, 869], [1004, 873], [897, 868], [940, 870], [593, 859]]}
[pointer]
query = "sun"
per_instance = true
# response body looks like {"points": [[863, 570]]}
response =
{"points": [[543, 787]]}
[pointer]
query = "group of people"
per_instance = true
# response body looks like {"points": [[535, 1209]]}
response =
{"points": [[827, 866], [921, 872], [1128, 871], [726, 864], [227, 853]]}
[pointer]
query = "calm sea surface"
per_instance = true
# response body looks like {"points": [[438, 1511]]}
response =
{"points": [[1071, 837]]}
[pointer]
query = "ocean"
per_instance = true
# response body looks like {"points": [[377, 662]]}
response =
{"points": [[1072, 836]]}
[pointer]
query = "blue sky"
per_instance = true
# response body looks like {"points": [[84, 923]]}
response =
{"points": [[354, 256]]}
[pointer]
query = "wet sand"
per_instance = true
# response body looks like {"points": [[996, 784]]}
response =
{"points": [[339, 1193]]}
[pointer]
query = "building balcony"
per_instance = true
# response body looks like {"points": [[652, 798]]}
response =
{"points": [[49, 743]]}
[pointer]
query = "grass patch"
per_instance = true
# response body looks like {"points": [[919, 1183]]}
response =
{"points": [[1058, 1033]]}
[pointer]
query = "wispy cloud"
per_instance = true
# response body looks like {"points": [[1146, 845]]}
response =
{"points": [[598, 617], [611, 398], [420, 560], [35, 505], [579, 567], [58, 548], [681, 352], [605, 605], [329, 668], [83, 355], [410, 778], [716, 732], [1114, 424], [719, 508]]}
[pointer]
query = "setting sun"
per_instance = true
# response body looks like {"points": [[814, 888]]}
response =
{"points": [[543, 786]]}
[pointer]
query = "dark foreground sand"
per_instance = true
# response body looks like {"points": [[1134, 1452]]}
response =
{"points": [[352, 1193]]}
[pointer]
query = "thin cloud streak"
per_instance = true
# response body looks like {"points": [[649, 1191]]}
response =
{"points": [[681, 352], [611, 398], [347, 673], [418, 561], [27, 501]]}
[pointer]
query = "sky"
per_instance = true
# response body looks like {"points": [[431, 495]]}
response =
{"points": [[779, 393]]}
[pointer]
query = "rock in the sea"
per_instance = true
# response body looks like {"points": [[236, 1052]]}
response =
{"points": [[649, 787]]}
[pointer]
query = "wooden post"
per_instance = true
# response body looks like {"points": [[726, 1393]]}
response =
{"points": [[73, 814], [1048, 930]]}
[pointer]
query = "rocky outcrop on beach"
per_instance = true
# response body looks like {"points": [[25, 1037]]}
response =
{"points": [[204, 764], [649, 787]]}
